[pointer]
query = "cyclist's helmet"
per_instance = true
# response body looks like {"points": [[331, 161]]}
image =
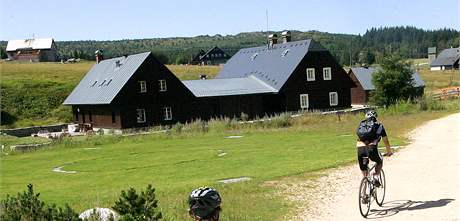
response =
{"points": [[203, 201], [371, 113]]}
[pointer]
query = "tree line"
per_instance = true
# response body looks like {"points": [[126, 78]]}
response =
{"points": [[372, 47]]}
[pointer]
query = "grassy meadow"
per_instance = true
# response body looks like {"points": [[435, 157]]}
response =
{"points": [[185, 158]]}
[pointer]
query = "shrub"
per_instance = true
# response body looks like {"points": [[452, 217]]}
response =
{"points": [[393, 82], [132, 206], [27, 206]]}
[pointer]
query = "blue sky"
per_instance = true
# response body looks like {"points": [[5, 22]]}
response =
{"points": [[128, 19]]}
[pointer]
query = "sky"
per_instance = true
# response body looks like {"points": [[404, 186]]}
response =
{"points": [[133, 19]]}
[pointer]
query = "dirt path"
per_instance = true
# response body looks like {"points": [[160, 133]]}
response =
{"points": [[423, 181]]}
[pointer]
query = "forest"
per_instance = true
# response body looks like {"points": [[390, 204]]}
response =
{"points": [[376, 43]]}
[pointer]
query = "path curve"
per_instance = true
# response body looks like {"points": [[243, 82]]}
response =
{"points": [[423, 181]]}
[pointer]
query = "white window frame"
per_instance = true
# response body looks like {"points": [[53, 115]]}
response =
{"points": [[143, 86], [162, 84], [326, 70], [167, 113], [304, 104], [331, 94], [312, 71], [140, 116]]}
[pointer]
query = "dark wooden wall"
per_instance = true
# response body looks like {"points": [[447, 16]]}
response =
{"points": [[318, 90], [358, 94]]}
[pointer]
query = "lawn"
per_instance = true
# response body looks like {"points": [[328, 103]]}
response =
{"points": [[178, 162]]}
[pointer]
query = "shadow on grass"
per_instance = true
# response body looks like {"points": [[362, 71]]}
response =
{"points": [[394, 207]]}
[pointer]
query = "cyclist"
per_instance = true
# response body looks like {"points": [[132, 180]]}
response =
{"points": [[204, 204], [367, 148]]}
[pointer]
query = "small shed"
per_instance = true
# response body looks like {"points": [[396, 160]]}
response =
{"points": [[446, 60], [362, 77], [43, 49]]}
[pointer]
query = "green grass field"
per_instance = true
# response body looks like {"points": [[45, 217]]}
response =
{"points": [[178, 162]]}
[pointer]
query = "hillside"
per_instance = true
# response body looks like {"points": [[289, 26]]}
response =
{"points": [[409, 42]]}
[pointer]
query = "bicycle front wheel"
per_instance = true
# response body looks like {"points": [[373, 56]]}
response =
{"points": [[365, 197], [380, 191]]}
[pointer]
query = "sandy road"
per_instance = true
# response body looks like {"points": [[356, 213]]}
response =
{"points": [[423, 181]]}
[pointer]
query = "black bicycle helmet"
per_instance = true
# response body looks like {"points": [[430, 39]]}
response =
{"points": [[203, 202], [371, 113]]}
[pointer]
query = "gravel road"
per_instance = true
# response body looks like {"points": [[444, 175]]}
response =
{"points": [[423, 181]]}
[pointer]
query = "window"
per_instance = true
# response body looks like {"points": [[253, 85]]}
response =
{"points": [[285, 52], [333, 99], [253, 57], [304, 101], [76, 116], [140, 115], [167, 113], [90, 116], [143, 86], [310, 74], [327, 74], [162, 85]]}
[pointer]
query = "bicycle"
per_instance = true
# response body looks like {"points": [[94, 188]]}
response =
{"points": [[368, 191]]}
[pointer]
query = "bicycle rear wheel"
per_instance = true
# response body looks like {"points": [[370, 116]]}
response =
{"points": [[380, 191], [365, 197]]}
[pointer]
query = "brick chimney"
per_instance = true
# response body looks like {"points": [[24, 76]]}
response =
{"points": [[286, 35], [272, 39], [99, 56]]}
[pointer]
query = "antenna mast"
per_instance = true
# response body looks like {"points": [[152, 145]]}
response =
{"points": [[268, 34]]}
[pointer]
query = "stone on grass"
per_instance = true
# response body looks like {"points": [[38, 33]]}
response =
{"points": [[104, 214]]}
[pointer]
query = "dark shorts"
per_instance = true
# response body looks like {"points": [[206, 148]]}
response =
{"points": [[366, 153]]}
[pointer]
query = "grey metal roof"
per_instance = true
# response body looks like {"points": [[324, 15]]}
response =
{"points": [[227, 87], [273, 66], [364, 76], [447, 57], [103, 82]]}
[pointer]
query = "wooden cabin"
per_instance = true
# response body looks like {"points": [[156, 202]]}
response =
{"points": [[34, 50], [139, 91], [213, 56], [448, 59], [362, 77]]}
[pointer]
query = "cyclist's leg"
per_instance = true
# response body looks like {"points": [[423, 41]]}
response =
{"points": [[374, 155], [363, 159]]}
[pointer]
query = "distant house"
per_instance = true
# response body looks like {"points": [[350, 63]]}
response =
{"points": [[130, 91], [362, 77], [139, 91], [43, 49], [446, 60], [213, 56]]}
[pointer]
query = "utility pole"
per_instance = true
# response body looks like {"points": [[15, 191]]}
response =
{"points": [[268, 34]]}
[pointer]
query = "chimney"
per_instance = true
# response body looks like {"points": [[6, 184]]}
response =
{"points": [[286, 35], [272, 39], [99, 56]]}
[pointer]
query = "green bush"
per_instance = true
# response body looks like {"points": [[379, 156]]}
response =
{"points": [[132, 206], [28, 207], [393, 82]]}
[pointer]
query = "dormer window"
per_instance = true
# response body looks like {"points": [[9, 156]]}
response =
{"points": [[142, 86], [162, 85], [285, 52], [327, 73]]}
